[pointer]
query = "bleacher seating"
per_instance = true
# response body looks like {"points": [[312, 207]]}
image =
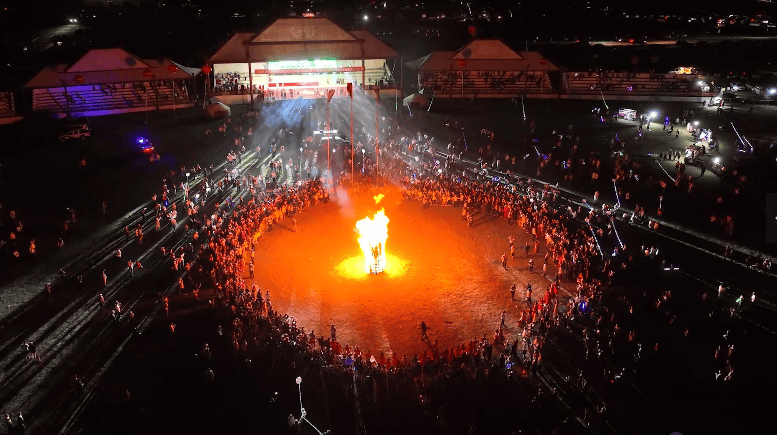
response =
{"points": [[104, 97], [624, 83], [7, 105], [488, 83]]}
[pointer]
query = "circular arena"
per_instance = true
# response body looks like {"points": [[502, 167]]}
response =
{"points": [[439, 271]]}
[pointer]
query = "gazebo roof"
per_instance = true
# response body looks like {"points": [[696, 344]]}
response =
{"points": [[483, 55], [112, 65], [301, 39]]}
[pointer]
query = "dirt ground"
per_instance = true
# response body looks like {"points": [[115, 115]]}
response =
{"points": [[439, 271]]}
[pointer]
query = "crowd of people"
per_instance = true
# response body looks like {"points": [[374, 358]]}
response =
{"points": [[582, 255], [571, 247], [606, 322]]}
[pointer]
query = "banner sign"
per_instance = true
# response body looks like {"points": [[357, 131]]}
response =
{"points": [[344, 69], [286, 85]]}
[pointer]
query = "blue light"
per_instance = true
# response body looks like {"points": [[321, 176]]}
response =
{"points": [[583, 306]]}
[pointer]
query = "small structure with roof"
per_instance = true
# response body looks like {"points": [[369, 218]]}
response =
{"points": [[109, 81], [485, 68]]}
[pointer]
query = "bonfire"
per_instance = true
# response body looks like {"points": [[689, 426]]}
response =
{"points": [[372, 239]]}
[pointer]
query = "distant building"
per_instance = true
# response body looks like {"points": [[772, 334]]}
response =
{"points": [[485, 68], [301, 57], [109, 81]]}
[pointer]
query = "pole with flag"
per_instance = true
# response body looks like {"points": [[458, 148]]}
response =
{"points": [[329, 94], [349, 87]]}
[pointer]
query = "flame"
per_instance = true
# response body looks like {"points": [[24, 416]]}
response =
{"points": [[379, 197], [372, 239]]}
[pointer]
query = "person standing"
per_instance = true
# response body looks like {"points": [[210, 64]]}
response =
{"points": [[512, 292], [333, 333], [504, 261], [531, 265], [424, 328], [105, 278], [20, 422]]}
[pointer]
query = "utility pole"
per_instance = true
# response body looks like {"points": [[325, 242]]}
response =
{"points": [[349, 87]]}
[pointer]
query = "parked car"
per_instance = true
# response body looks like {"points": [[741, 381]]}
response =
{"points": [[144, 144], [75, 134]]}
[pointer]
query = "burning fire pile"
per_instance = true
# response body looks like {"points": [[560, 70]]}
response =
{"points": [[372, 239]]}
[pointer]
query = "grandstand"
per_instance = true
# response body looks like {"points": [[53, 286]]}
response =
{"points": [[110, 81], [301, 57], [484, 69], [627, 83]]}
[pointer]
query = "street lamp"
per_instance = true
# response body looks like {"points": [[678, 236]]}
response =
{"points": [[654, 114]]}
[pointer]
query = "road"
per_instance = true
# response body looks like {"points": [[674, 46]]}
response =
{"points": [[714, 38], [45, 37]]}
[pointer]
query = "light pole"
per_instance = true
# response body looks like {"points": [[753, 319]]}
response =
{"points": [[175, 115], [377, 142], [329, 94], [145, 94], [327, 137], [602, 94], [304, 413]]}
